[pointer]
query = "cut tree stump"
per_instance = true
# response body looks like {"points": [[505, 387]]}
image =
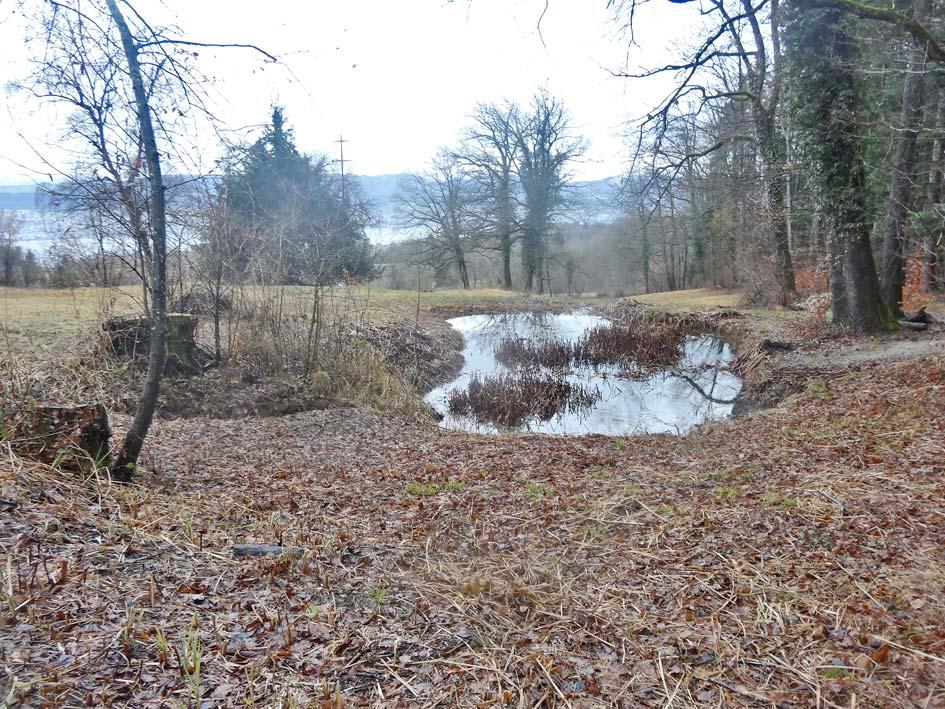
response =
{"points": [[130, 337], [72, 437]]}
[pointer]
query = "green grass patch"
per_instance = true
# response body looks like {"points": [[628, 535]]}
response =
{"points": [[726, 492], [430, 489]]}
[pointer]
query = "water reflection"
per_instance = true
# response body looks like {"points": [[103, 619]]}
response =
{"points": [[668, 400]]}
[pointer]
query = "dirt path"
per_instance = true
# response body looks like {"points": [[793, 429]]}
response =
{"points": [[873, 350]]}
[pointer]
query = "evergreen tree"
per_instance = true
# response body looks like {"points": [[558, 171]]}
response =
{"points": [[307, 227]]}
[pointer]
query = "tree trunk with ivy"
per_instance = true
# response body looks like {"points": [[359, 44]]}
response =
{"points": [[904, 168], [935, 235], [828, 108]]}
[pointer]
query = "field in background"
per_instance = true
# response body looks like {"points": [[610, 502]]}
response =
{"points": [[695, 298], [31, 318]]}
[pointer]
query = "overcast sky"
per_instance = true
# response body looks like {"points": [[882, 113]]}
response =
{"points": [[397, 77]]}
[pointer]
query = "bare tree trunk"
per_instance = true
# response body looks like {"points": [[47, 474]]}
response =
{"points": [[645, 257], [530, 258], [505, 239], [931, 267], [680, 281], [773, 156], [818, 240], [461, 267], [788, 187], [506, 246], [124, 465], [900, 192], [217, 349]]}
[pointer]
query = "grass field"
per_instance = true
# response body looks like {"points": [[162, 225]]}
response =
{"points": [[695, 298], [32, 318]]}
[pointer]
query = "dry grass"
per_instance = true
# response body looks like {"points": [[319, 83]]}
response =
{"points": [[48, 340], [36, 317], [32, 318], [697, 298]]}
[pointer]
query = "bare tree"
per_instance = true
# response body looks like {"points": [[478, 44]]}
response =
{"points": [[112, 74], [749, 35], [443, 204], [904, 168], [491, 148], [546, 147]]}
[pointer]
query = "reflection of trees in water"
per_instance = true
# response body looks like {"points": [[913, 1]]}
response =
{"points": [[699, 389], [530, 327], [716, 347], [628, 398], [704, 350], [501, 326]]}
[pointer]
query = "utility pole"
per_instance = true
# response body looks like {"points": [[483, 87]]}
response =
{"points": [[341, 161]]}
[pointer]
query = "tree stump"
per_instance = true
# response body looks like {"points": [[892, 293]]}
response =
{"points": [[72, 437], [130, 337]]}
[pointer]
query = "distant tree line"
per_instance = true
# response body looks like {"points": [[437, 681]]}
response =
{"points": [[18, 266], [501, 190]]}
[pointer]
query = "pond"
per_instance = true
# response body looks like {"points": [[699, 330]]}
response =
{"points": [[616, 400]]}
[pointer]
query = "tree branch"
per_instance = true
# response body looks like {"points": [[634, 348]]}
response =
{"points": [[934, 49]]}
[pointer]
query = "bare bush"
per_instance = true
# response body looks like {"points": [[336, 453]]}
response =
{"points": [[515, 351], [509, 400]]}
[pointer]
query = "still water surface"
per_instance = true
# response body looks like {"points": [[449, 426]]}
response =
{"points": [[671, 400]]}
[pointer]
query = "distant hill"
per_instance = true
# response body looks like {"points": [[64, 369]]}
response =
{"points": [[593, 199], [379, 189], [17, 197]]}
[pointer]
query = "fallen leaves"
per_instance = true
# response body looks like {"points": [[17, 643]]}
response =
{"points": [[536, 570]]}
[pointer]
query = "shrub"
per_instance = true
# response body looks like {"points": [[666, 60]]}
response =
{"points": [[509, 400], [812, 281]]}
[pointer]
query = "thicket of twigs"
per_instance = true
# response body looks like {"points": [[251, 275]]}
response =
{"points": [[636, 338], [518, 352], [511, 399]]}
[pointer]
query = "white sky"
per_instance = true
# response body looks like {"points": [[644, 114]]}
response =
{"points": [[397, 77]]}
